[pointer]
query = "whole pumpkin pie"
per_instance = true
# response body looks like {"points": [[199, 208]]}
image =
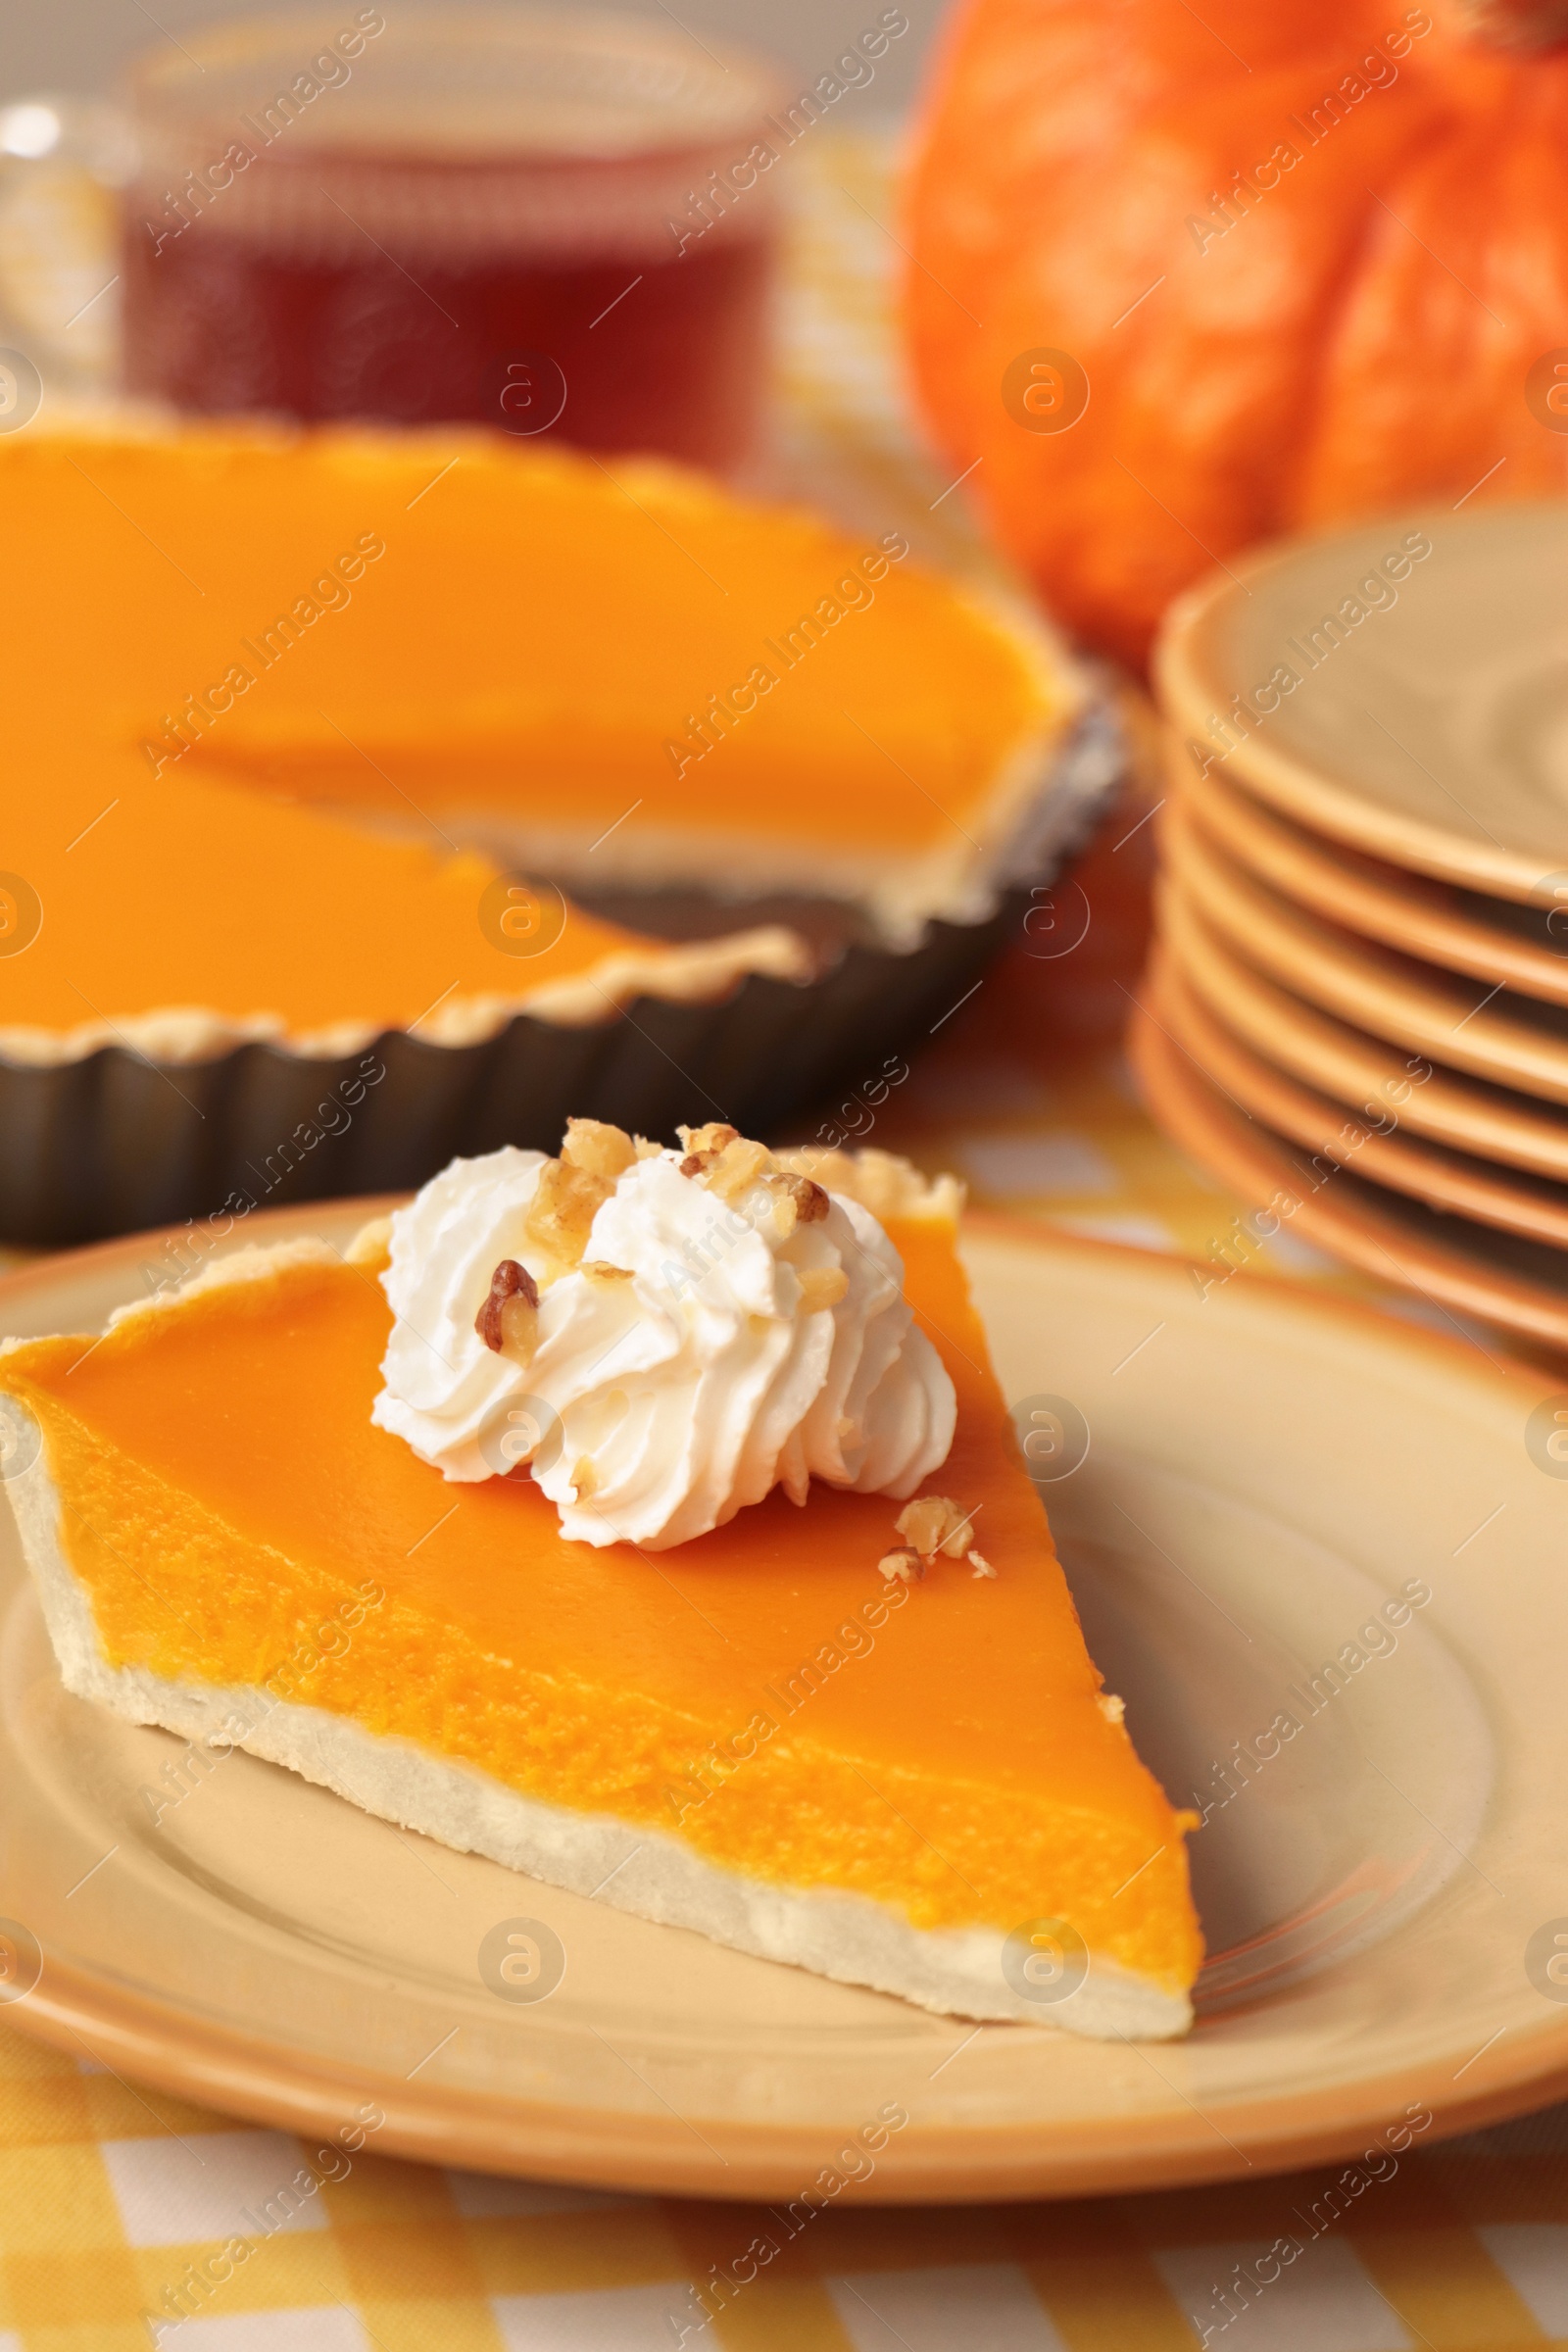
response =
{"points": [[651, 1522], [281, 708], [431, 757]]}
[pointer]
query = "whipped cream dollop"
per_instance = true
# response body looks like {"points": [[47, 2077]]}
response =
{"points": [[662, 1336]]}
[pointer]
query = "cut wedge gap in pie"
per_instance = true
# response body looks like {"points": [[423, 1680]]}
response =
{"points": [[598, 678]]}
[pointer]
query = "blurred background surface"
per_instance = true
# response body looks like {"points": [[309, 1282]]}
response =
{"points": [[84, 46]]}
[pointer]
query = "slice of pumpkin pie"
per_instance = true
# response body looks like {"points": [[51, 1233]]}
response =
{"points": [[683, 1554]]}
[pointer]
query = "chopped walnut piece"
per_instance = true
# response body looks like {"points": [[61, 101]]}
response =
{"points": [[923, 1522], [698, 1164], [908, 1566], [738, 1167], [821, 1286], [979, 1563], [810, 1202], [599, 1269], [564, 1206], [936, 1524], [1112, 1707], [509, 1320], [711, 1138], [797, 1201], [644, 1149], [602, 1149], [519, 1329]]}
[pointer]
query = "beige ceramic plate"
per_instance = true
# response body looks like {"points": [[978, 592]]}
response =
{"points": [[1363, 1072], [1492, 939], [1376, 1146], [1452, 1262], [1512, 1040], [1262, 1470], [1413, 706]]}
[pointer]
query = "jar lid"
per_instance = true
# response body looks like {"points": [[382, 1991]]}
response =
{"points": [[461, 85]]}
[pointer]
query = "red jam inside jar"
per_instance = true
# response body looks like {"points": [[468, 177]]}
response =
{"points": [[559, 226]]}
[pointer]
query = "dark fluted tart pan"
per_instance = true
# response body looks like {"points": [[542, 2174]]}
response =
{"points": [[117, 1141]]}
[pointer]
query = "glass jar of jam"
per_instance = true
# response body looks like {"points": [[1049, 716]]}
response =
{"points": [[554, 222]]}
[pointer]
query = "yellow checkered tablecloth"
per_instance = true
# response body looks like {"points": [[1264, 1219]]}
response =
{"points": [[126, 2215], [112, 2196]]}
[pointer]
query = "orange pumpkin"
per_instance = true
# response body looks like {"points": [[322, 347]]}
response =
{"points": [[1187, 277]]}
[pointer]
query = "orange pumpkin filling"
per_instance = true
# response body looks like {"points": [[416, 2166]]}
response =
{"points": [[181, 894], [761, 1692], [586, 673]]}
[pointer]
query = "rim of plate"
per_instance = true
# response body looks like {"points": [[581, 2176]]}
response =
{"points": [[1341, 1060], [1422, 1170], [1383, 989], [1189, 687], [1379, 902], [1377, 1238]]}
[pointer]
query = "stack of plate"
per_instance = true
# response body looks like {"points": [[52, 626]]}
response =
{"points": [[1357, 1013]]}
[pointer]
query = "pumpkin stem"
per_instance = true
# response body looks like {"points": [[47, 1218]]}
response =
{"points": [[1519, 24]]}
